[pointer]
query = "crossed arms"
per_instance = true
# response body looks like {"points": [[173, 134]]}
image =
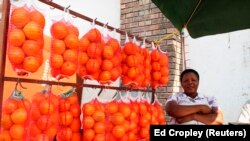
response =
{"points": [[201, 113]]}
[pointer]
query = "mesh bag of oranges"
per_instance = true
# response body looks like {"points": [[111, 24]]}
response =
{"points": [[43, 123], [90, 54], [15, 117], [132, 64], [64, 48], [93, 120], [69, 117], [160, 67], [110, 69], [25, 39], [157, 112]]}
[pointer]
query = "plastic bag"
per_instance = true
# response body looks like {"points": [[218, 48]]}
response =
{"points": [[64, 48], [15, 117], [69, 117], [25, 39], [43, 123]]}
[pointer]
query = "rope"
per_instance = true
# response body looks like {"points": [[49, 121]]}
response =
{"points": [[185, 25], [165, 38]]}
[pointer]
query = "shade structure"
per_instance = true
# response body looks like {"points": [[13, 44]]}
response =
{"points": [[206, 17]]}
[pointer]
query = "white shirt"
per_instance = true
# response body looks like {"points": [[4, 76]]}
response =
{"points": [[183, 99], [245, 114]]}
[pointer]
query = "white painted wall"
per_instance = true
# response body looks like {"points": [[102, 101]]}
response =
{"points": [[223, 62]]}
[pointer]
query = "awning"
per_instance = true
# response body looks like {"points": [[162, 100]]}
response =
{"points": [[206, 17]]}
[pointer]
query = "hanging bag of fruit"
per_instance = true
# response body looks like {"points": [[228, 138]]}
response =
{"points": [[25, 38], [43, 124], [15, 117], [69, 116], [64, 47], [160, 67], [90, 52]]}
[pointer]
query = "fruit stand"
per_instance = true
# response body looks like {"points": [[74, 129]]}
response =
{"points": [[49, 116]]}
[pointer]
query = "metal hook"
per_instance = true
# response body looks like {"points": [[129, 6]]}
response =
{"points": [[67, 8]]}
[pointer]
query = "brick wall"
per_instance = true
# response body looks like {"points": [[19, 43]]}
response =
{"points": [[142, 18]]}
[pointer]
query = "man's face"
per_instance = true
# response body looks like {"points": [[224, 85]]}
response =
{"points": [[190, 84]]}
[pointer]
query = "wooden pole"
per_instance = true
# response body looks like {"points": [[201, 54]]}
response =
{"points": [[3, 45]]}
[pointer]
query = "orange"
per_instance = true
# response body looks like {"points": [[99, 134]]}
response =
{"points": [[132, 72], [99, 127], [104, 76], [111, 107], [19, 17], [81, 71], [75, 125], [51, 132], [33, 30], [31, 64], [34, 130], [66, 118], [17, 131], [106, 65], [19, 116], [70, 55], [64, 105], [56, 61], [156, 66], [75, 110], [88, 109], [114, 43], [6, 122], [76, 136], [130, 48], [132, 61], [107, 52], [73, 99], [93, 65], [83, 58], [71, 41], [46, 107], [16, 37], [24, 103], [41, 137], [44, 122], [59, 30], [115, 73], [94, 50], [31, 48], [65, 134], [5, 136], [98, 116], [155, 55], [144, 133], [37, 17], [156, 75], [73, 30], [163, 60], [99, 137], [164, 71], [164, 80], [88, 134], [94, 35], [125, 110], [9, 106], [118, 131], [117, 118], [83, 43], [15, 55], [68, 68], [88, 122], [57, 46]]}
